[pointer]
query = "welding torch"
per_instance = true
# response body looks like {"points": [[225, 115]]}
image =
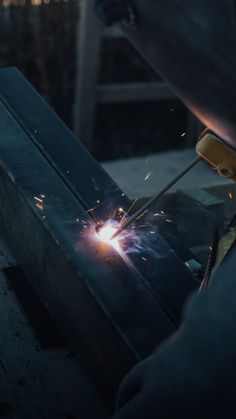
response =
{"points": [[210, 148]]}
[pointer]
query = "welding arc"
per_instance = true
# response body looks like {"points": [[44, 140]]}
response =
{"points": [[155, 198]]}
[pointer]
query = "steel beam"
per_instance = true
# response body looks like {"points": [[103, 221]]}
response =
{"points": [[112, 313]]}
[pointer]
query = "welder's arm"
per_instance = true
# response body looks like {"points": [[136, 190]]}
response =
{"points": [[193, 375], [191, 44]]}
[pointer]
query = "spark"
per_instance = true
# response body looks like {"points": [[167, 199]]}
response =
{"points": [[98, 205], [113, 215], [152, 232], [183, 134], [230, 195], [162, 212], [156, 215], [122, 194], [92, 209], [68, 171], [106, 232], [102, 234], [38, 199], [147, 177], [144, 258], [43, 196], [130, 208], [169, 221], [39, 207]]}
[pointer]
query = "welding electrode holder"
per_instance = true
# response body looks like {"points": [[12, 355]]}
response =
{"points": [[111, 12], [209, 148], [218, 154]]}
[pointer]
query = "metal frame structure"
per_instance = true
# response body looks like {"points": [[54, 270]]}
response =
{"points": [[89, 94]]}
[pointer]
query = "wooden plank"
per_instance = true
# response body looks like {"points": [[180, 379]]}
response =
{"points": [[133, 92]]}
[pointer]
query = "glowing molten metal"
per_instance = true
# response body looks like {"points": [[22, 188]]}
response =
{"points": [[105, 232]]}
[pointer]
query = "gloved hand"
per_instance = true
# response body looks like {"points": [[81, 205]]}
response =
{"points": [[192, 45]]}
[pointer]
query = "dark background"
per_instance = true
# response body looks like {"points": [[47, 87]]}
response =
{"points": [[40, 38]]}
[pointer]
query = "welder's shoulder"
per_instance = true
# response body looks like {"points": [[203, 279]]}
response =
{"points": [[192, 375]]}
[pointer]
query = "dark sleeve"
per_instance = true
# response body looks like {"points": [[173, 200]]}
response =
{"points": [[193, 375]]}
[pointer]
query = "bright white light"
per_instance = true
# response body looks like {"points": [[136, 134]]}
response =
{"points": [[106, 232]]}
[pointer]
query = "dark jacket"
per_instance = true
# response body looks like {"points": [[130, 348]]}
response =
{"points": [[193, 375]]}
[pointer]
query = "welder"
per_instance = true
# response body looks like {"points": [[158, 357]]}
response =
{"points": [[192, 45]]}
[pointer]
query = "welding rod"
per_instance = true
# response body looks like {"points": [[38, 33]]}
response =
{"points": [[155, 198]]}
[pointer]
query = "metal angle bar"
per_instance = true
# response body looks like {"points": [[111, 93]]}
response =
{"points": [[116, 313], [81, 173], [94, 298]]}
